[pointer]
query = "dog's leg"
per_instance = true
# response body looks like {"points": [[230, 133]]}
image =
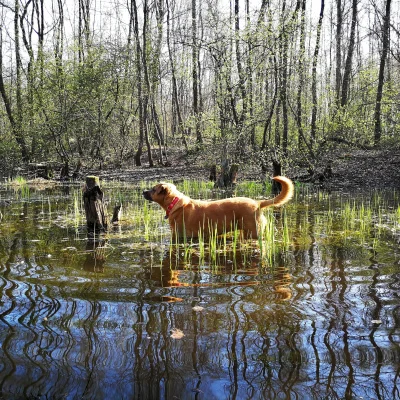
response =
{"points": [[250, 231]]}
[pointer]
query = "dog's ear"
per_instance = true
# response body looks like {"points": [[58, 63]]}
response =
{"points": [[164, 188]]}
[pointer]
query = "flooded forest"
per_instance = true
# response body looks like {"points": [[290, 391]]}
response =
{"points": [[215, 97]]}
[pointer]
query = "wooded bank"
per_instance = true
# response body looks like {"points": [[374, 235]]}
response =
{"points": [[126, 83]]}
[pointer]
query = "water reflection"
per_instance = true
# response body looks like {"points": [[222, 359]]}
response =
{"points": [[95, 257], [92, 319]]}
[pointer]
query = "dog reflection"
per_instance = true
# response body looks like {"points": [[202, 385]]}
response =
{"points": [[227, 274], [282, 283]]}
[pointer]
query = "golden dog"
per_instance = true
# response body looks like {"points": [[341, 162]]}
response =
{"points": [[192, 218]]}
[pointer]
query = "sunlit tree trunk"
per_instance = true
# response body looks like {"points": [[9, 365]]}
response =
{"points": [[17, 123], [34, 81], [195, 74], [302, 54], [283, 79], [314, 75], [140, 97], [268, 121], [249, 73], [338, 72], [242, 86], [175, 99], [381, 78], [147, 92], [349, 58], [83, 27]]}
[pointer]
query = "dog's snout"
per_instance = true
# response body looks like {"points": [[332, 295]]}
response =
{"points": [[147, 195]]}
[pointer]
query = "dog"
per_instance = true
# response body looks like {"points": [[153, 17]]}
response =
{"points": [[193, 218]]}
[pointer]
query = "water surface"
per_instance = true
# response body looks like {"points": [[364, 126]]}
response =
{"points": [[316, 317]]}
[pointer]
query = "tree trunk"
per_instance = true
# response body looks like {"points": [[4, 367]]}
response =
{"points": [[147, 94], [381, 78], [249, 74], [242, 86], [83, 28], [314, 75], [268, 121], [152, 81], [299, 116], [139, 151], [174, 83], [195, 76], [283, 80], [17, 128], [339, 25], [349, 58]]}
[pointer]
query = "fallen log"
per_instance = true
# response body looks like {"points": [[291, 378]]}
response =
{"points": [[40, 170]]}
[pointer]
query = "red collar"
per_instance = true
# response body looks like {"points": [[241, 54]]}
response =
{"points": [[171, 206]]}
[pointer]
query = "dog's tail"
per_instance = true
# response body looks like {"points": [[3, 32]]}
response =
{"points": [[283, 197]]}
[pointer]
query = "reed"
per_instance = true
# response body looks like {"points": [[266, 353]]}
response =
{"points": [[202, 247], [267, 240], [197, 189], [286, 239], [18, 181], [144, 224], [21, 187], [254, 189], [312, 218]]}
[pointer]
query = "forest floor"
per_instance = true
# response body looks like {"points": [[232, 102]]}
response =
{"points": [[365, 169], [351, 170]]}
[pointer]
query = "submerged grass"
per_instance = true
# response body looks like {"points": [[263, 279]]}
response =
{"points": [[312, 218]]}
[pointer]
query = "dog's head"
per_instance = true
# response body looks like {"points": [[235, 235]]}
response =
{"points": [[160, 192]]}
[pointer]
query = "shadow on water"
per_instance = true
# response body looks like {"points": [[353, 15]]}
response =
{"points": [[95, 319]]}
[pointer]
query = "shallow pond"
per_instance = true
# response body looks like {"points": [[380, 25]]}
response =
{"points": [[312, 312]]}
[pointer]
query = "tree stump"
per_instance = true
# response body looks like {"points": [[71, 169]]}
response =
{"points": [[64, 173], [116, 214], [95, 210], [213, 173], [76, 173], [228, 175], [277, 171]]}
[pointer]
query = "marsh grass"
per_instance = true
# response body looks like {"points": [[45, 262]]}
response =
{"points": [[312, 218], [145, 221], [18, 181], [20, 186]]}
